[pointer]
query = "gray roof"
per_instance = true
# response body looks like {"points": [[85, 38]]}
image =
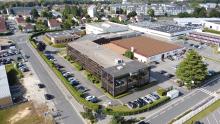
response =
{"points": [[164, 26], [4, 86], [99, 54], [109, 27], [126, 68], [59, 34]]}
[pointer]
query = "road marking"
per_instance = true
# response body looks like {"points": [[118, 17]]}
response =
{"points": [[208, 120], [120, 101], [101, 96], [206, 91], [213, 115]]}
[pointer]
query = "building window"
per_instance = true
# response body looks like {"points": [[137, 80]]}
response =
{"points": [[210, 26]]}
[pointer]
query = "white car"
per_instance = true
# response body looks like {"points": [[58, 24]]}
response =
{"points": [[89, 98]]}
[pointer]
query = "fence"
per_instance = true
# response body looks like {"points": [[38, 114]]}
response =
{"points": [[196, 111]]}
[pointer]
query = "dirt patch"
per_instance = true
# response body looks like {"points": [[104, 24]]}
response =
{"points": [[20, 115]]}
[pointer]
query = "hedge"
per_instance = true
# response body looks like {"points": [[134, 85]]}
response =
{"points": [[78, 66], [6, 33], [71, 89], [124, 112]]}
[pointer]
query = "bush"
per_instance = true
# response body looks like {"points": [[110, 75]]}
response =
{"points": [[78, 66], [92, 78], [161, 91]]}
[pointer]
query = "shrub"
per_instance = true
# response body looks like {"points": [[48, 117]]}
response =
{"points": [[78, 66], [161, 91]]}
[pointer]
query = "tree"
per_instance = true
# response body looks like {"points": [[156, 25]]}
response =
{"points": [[214, 13], [183, 15], [131, 14], [20, 27], [117, 120], [44, 13], [200, 12], [150, 12], [192, 70], [34, 13], [28, 20], [41, 46], [129, 54]]}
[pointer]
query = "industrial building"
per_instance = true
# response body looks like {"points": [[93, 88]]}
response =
{"points": [[212, 24], [105, 27], [5, 94], [146, 49], [165, 30], [61, 37], [193, 21], [204, 37], [117, 73]]}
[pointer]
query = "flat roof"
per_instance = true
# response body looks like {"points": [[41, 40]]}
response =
{"points": [[126, 68], [99, 54], [59, 34], [215, 21], [109, 27], [163, 26], [146, 46], [4, 86]]}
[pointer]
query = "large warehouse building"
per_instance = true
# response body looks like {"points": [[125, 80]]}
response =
{"points": [[160, 29], [5, 94], [145, 49], [117, 73], [104, 28]]}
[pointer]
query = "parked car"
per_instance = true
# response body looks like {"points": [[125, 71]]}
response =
{"points": [[41, 85], [81, 89], [48, 96], [162, 72], [148, 100], [131, 105], [74, 82], [91, 99]]}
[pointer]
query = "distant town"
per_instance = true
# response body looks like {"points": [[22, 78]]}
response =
{"points": [[110, 62]]}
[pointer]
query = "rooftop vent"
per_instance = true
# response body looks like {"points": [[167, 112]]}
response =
{"points": [[119, 67]]}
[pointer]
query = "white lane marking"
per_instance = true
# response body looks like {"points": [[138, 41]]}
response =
{"points": [[101, 96], [208, 120], [213, 115]]}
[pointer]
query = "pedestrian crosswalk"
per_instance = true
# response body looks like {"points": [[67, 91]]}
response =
{"points": [[206, 91]]}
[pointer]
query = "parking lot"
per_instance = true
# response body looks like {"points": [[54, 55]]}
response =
{"points": [[212, 118]]}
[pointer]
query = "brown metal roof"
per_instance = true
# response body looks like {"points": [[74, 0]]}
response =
{"points": [[146, 46]]}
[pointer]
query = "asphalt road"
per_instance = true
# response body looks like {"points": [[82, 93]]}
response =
{"points": [[69, 115], [173, 111]]}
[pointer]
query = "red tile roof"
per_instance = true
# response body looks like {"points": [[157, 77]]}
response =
{"points": [[146, 46], [28, 26], [20, 20], [54, 23], [2, 25]]}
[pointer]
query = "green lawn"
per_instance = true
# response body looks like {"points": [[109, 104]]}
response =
{"points": [[211, 31], [204, 113]]}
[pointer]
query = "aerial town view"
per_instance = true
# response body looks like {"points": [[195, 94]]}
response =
{"points": [[109, 61]]}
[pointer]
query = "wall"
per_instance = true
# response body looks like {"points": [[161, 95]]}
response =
{"points": [[212, 26]]}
